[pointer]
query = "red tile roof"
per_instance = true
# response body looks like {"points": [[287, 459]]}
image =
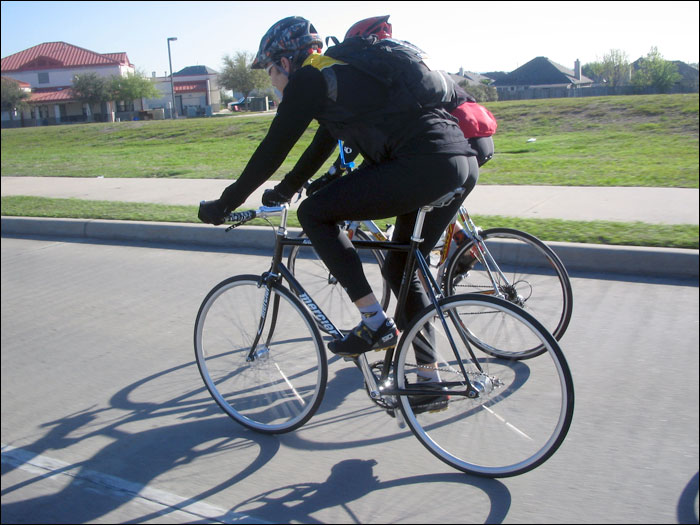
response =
{"points": [[52, 95], [119, 57], [194, 86], [52, 55]]}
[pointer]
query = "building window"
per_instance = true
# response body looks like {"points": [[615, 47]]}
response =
{"points": [[43, 78]]}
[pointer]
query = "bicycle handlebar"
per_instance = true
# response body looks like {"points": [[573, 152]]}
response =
{"points": [[237, 218], [241, 216]]}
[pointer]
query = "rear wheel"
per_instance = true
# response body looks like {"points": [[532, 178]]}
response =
{"points": [[531, 276]]}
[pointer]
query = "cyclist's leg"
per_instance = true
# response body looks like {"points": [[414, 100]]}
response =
{"points": [[435, 223], [393, 188]]}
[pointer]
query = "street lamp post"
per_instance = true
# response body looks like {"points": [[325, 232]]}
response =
{"points": [[173, 111]]}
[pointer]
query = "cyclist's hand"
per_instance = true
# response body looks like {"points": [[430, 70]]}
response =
{"points": [[322, 181], [276, 196], [212, 212]]}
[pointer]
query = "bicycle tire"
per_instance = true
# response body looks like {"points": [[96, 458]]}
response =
{"points": [[539, 280], [524, 408], [283, 386], [330, 296]]}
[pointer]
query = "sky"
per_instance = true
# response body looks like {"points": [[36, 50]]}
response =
{"points": [[477, 36]]}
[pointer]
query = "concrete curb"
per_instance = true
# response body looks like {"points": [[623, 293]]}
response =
{"points": [[627, 260]]}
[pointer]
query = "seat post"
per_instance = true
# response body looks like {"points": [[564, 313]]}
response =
{"points": [[417, 235]]}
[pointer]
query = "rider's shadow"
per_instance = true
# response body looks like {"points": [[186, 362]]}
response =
{"points": [[351, 480]]}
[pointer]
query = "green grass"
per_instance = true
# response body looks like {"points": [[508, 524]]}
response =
{"points": [[595, 232], [597, 141]]}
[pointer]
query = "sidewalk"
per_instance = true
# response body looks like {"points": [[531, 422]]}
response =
{"points": [[649, 205], [619, 204]]}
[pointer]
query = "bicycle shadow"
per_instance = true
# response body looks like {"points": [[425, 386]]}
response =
{"points": [[140, 457], [350, 480], [150, 453], [132, 461]]}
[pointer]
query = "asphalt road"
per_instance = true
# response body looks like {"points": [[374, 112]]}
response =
{"points": [[105, 418]]}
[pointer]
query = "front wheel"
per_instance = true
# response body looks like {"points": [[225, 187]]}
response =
{"points": [[526, 272], [260, 354], [517, 412]]}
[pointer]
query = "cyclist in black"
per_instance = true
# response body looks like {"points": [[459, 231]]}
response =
{"points": [[411, 159], [379, 27]]}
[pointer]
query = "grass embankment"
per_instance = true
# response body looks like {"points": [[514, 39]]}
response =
{"points": [[598, 141], [601, 141], [594, 232]]}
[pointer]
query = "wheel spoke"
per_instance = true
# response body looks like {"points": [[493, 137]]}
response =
{"points": [[281, 387]]}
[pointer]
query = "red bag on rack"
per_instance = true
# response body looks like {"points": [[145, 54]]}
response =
{"points": [[475, 120]]}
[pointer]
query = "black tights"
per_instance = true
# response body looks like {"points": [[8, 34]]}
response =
{"points": [[398, 189]]}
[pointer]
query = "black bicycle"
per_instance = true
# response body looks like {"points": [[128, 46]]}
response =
{"points": [[508, 263], [497, 410]]}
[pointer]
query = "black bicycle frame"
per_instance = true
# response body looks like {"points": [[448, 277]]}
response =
{"points": [[415, 260]]}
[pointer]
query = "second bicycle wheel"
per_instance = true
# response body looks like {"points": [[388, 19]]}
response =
{"points": [[531, 276], [270, 378], [329, 295], [523, 409]]}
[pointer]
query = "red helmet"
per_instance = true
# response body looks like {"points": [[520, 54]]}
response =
{"points": [[378, 26]]}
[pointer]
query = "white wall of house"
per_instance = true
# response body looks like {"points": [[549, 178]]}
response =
{"points": [[49, 78], [63, 77], [163, 85], [194, 99]]}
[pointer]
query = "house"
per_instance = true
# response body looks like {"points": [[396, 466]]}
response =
{"points": [[471, 77], [49, 69], [24, 86], [689, 77], [196, 90], [688, 82], [541, 78]]}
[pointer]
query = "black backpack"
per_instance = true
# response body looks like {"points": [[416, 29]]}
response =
{"points": [[399, 66]]}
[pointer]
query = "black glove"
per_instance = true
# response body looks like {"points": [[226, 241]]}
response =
{"points": [[212, 212], [277, 195], [322, 181]]}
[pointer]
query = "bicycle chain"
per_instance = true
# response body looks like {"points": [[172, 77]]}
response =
{"points": [[390, 404]]}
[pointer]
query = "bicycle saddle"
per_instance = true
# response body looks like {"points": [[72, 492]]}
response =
{"points": [[447, 198]]}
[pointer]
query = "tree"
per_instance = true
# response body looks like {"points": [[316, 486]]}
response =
{"points": [[594, 71], [481, 92], [13, 97], [132, 87], [655, 71], [238, 77], [90, 88], [614, 69]]}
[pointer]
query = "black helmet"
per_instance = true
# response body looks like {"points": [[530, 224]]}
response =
{"points": [[291, 37]]}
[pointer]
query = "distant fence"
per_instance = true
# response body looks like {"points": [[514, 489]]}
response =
{"points": [[596, 91]]}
